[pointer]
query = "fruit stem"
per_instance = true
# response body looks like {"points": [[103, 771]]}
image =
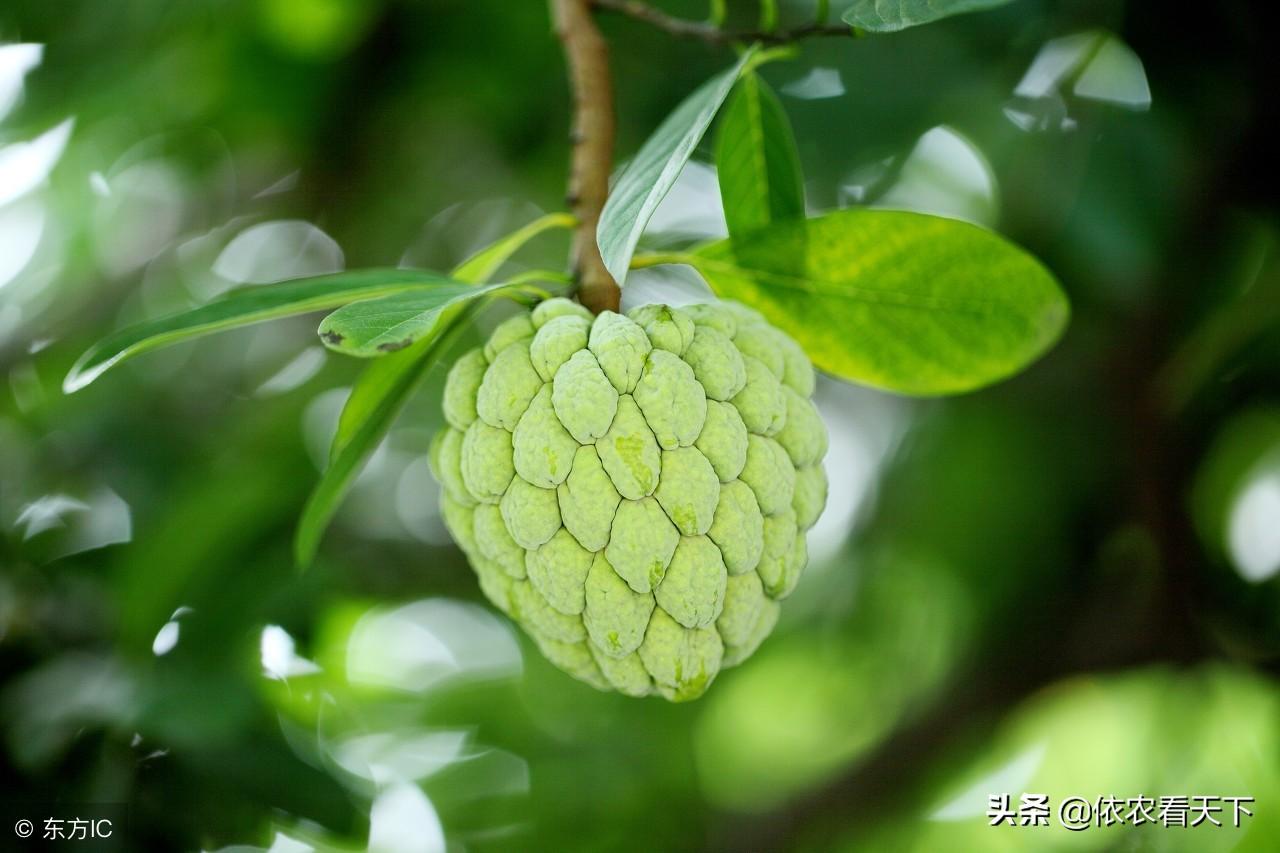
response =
{"points": [[587, 57]]}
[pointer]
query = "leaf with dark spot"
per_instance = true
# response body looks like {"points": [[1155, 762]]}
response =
{"points": [[380, 326]]}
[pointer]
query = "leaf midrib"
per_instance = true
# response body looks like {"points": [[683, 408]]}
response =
{"points": [[804, 284]]}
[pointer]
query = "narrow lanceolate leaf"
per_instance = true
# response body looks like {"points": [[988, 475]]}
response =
{"points": [[902, 301], [655, 168], [378, 384], [484, 263], [379, 326], [375, 402], [385, 386], [757, 160], [887, 16], [243, 307]]}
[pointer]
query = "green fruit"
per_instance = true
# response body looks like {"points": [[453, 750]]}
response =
{"points": [[635, 490]]}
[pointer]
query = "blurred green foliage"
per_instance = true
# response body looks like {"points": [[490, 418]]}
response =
{"points": [[1066, 584]]}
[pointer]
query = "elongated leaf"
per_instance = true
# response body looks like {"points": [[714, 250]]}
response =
{"points": [[902, 301], [484, 263], [888, 16], [757, 160], [655, 168], [243, 307], [379, 381], [380, 377], [372, 408], [385, 386], [378, 326]]}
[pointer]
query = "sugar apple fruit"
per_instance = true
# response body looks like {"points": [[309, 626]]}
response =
{"points": [[635, 490]]}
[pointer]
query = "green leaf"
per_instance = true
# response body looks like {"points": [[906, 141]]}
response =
{"points": [[655, 168], [379, 326], [902, 301], [484, 263], [889, 16], [376, 384], [375, 402], [757, 160], [243, 307], [382, 390]]}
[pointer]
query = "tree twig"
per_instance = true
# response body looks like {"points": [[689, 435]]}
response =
{"points": [[712, 34], [587, 57]]}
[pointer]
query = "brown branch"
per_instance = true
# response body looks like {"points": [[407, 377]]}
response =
{"points": [[712, 34], [587, 57]]}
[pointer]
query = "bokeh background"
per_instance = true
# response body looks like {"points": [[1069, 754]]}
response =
{"points": [[1066, 584]]}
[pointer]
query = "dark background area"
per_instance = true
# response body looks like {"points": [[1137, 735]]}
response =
{"points": [[1064, 584]]}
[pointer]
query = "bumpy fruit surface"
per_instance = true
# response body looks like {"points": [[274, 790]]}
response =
{"points": [[635, 490]]}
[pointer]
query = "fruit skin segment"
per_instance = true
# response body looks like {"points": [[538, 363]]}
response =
{"points": [[635, 489]]}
